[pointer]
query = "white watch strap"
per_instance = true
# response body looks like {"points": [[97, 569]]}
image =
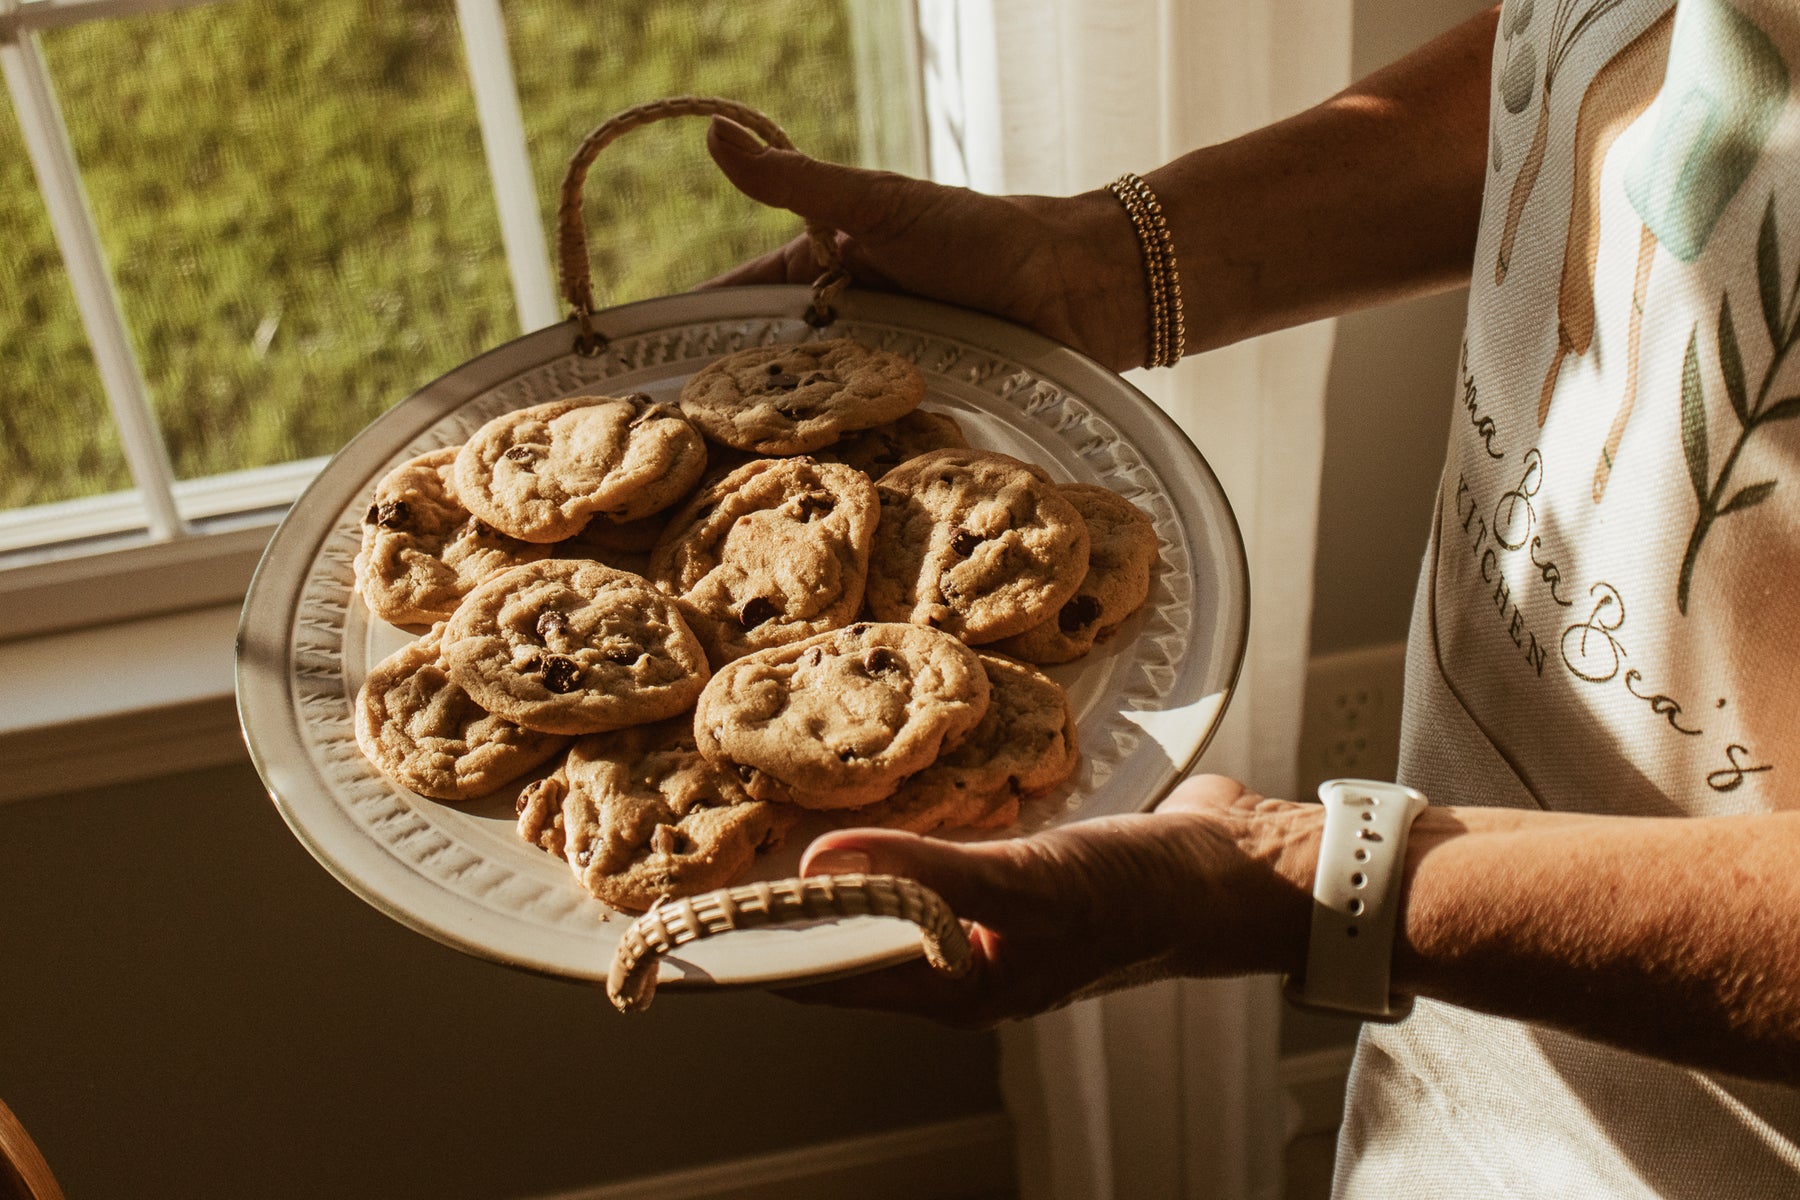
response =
{"points": [[1356, 899]]}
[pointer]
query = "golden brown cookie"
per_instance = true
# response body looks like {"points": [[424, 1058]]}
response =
{"points": [[775, 552], [541, 473], [574, 647], [1122, 549], [425, 733], [839, 720], [792, 398], [640, 816], [975, 543], [1025, 745], [421, 550], [877, 451]]}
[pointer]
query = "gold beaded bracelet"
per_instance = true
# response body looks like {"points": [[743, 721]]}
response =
{"points": [[1168, 328]]}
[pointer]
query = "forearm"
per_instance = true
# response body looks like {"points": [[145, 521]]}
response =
{"points": [[1369, 197], [1672, 937]]}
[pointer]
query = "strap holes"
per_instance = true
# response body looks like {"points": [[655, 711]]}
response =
{"points": [[1362, 854], [1356, 908], [1358, 879], [1368, 815], [1350, 932]]}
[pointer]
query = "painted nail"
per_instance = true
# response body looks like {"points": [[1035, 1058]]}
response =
{"points": [[838, 862]]}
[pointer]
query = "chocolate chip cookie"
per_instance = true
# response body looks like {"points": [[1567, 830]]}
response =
{"points": [[541, 473], [796, 397], [975, 543], [425, 733], [422, 551], [1122, 549], [1025, 745], [839, 720], [877, 451], [776, 551], [565, 646], [640, 815]]}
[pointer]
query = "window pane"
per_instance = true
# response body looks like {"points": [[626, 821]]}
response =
{"points": [[296, 210], [298, 216], [56, 436], [660, 217]]}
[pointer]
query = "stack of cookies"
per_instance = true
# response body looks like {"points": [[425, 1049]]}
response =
{"points": [[793, 593]]}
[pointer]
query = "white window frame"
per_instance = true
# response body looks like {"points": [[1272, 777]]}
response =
{"points": [[170, 545]]}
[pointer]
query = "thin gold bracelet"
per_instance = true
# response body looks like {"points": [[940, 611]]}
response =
{"points": [[1168, 326]]}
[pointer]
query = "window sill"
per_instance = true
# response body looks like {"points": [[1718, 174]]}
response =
{"points": [[117, 702]]}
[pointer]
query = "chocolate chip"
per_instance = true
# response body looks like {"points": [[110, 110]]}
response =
{"points": [[965, 543], [624, 655], [370, 516], [1077, 613], [392, 514], [521, 454], [664, 840], [811, 505], [746, 772], [551, 622], [880, 659], [847, 756], [776, 368], [858, 629], [649, 412], [757, 609], [561, 675]]}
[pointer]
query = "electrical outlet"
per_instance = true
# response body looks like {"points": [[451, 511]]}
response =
{"points": [[1350, 727]]}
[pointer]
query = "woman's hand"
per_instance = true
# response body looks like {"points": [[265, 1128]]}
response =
{"points": [[1216, 881], [1067, 267]]}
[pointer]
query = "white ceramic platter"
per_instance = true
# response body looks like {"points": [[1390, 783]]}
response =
{"points": [[1146, 701]]}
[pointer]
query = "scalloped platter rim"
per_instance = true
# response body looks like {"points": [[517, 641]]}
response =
{"points": [[1147, 701]]}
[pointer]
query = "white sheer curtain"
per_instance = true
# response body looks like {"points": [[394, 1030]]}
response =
{"points": [[1168, 1091]]}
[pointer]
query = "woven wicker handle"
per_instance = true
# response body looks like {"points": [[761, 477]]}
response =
{"points": [[572, 248], [632, 981]]}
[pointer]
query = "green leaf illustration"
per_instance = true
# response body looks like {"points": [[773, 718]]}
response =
{"points": [[1768, 272], [1755, 494], [1693, 417], [1781, 410], [1732, 363]]}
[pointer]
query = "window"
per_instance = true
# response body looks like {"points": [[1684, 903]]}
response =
{"points": [[241, 229]]}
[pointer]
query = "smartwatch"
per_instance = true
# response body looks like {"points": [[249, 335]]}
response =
{"points": [[1356, 900]]}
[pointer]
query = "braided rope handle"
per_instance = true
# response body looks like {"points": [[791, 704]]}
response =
{"points": [[571, 243], [632, 981]]}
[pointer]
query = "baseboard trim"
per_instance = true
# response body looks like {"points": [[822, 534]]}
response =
{"points": [[949, 1160]]}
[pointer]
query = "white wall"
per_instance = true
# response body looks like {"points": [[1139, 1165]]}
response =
{"points": [[1387, 409], [192, 1009]]}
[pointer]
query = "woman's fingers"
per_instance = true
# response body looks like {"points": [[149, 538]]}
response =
{"points": [[978, 882], [856, 201], [792, 263]]}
